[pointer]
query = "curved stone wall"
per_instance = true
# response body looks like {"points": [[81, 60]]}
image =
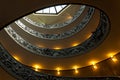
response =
{"points": [[97, 37], [23, 72], [58, 25], [63, 35]]}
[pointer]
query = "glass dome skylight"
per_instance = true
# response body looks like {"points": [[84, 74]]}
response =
{"points": [[52, 10]]}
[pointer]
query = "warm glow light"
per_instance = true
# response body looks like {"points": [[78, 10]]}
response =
{"points": [[57, 48], [16, 58], [37, 67], [114, 59], [111, 54], [75, 44], [58, 70], [94, 64], [76, 69]]}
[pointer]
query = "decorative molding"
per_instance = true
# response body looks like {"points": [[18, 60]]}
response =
{"points": [[58, 25], [97, 37], [63, 35]]}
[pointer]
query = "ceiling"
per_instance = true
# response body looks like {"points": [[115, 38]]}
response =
{"points": [[51, 63], [110, 45]]}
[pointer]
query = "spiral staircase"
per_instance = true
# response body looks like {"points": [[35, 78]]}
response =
{"points": [[79, 41]]}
